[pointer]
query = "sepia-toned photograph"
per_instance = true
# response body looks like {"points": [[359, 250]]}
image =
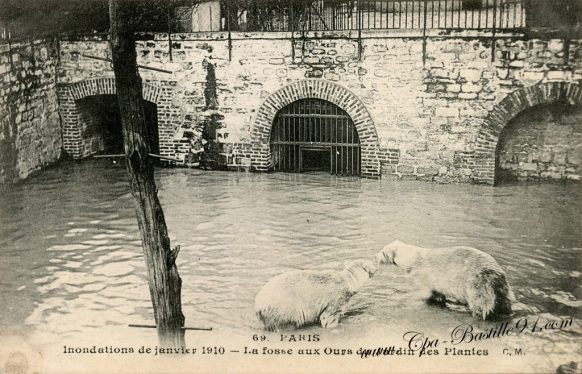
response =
{"points": [[290, 186]]}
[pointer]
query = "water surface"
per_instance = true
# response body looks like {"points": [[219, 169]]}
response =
{"points": [[72, 266]]}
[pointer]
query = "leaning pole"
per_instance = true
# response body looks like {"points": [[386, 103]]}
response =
{"points": [[164, 281]]}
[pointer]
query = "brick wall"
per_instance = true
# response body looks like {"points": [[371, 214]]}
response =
{"points": [[30, 129]]}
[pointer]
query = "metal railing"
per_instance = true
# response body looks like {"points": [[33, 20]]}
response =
{"points": [[332, 15]]}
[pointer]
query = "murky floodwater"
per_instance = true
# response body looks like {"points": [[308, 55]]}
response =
{"points": [[72, 267]]}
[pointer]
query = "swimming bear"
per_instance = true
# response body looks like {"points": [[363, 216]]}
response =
{"points": [[303, 297], [463, 274]]}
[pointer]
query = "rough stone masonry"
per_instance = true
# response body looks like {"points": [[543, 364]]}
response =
{"points": [[30, 128], [438, 118]]}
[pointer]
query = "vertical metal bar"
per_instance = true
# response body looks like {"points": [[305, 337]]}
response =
{"points": [[483, 6], [229, 34], [282, 158], [493, 31], [473, 16], [406, 14], [294, 125], [360, 32], [465, 14], [424, 39], [359, 161], [309, 15], [399, 14], [309, 125], [446, 14], [170, 36], [351, 163], [336, 140], [487, 14], [343, 146], [286, 164], [459, 14], [439, 14], [292, 28], [514, 15], [501, 12], [432, 13], [368, 11], [394, 14], [381, 14]]}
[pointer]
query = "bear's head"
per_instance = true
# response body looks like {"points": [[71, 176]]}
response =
{"points": [[400, 254], [358, 272]]}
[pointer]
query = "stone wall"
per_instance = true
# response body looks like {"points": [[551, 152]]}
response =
{"points": [[544, 142], [30, 129], [433, 119]]}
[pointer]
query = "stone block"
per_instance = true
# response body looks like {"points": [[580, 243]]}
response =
{"points": [[467, 95], [559, 75], [471, 87], [342, 59], [447, 112], [427, 170], [332, 76], [528, 166], [277, 61], [533, 75], [441, 73], [556, 45], [405, 169], [388, 169], [487, 74], [453, 88], [503, 73], [426, 178], [517, 64], [544, 54], [470, 75], [391, 177], [311, 60]]}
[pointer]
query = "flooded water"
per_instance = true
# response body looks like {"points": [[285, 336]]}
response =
{"points": [[72, 269]]}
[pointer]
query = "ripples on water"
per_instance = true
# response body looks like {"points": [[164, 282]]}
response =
{"points": [[72, 262]]}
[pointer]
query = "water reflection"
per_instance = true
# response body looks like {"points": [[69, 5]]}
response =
{"points": [[72, 264]]}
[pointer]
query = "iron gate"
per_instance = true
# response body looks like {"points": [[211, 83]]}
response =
{"points": [[314, 134]]}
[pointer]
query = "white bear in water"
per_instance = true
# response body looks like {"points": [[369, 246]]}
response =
{"points": [[463, 274], [304, 297]]}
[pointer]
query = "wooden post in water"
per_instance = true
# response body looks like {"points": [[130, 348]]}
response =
{"points": [[164, 281]]}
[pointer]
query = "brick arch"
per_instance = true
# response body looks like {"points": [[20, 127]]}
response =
{"points": [[106, 86], [509, 107], [316, 89], [68, 94]]}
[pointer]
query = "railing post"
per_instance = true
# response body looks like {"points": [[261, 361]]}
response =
{"points": [[425, 2], [228, 29], [493, 30], [359, 30], [292, 27], [170, 34]]}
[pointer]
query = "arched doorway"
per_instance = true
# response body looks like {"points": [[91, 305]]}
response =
{"points": [[100, 124], [485, 159], [541, 143], [315, 135], [90, 114], [264, 119]]}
